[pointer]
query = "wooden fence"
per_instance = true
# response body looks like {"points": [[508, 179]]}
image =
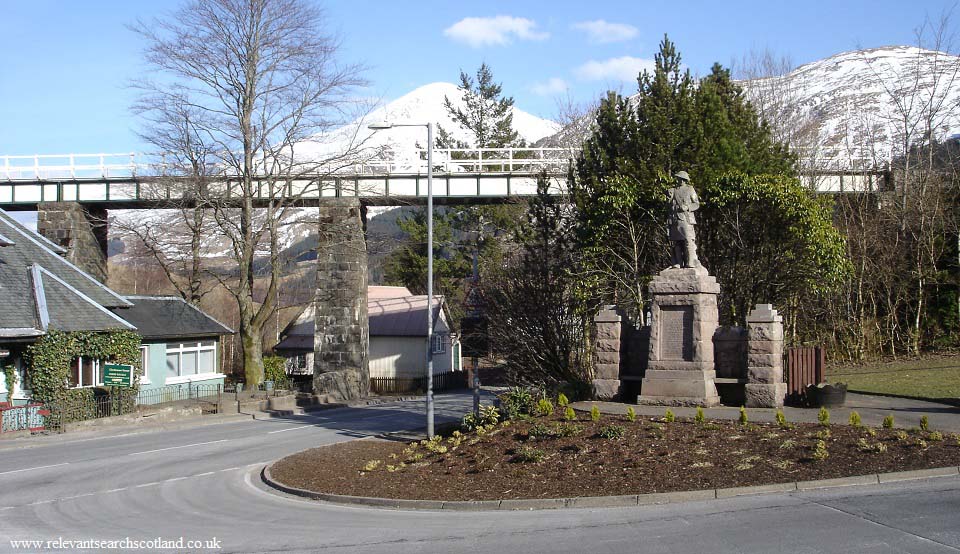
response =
{"points": [[805, 367], [395, 385]]}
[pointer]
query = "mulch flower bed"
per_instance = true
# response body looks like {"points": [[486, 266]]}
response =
{"points": [[549, 457]]}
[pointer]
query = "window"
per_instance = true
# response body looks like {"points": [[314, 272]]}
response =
{"points": [[191, 358], [84, 372], [439, 344], [145, 365]]}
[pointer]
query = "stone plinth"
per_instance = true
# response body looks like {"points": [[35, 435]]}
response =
{"points": [[81, 232], [342, 335], [684, 320], [606, 354], [765, 387]]}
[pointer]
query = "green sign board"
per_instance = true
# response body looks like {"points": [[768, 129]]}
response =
{"points": [[116, 375]]}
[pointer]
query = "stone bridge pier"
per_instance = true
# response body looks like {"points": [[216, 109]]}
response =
{"points": [[342, 331], [80, 230]]}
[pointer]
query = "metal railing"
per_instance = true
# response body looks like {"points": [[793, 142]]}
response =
{"points": [[128, 165], [177, 393]]}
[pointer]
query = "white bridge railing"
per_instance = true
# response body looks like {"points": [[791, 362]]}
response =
{"points": [[52, 167]]}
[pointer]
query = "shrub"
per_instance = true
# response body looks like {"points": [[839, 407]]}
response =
{"points": [[820, 451], [539, 431], [562, 400], [902, 435], [855, 419], [567, 429], [789, 443], [594, 413], [631, 414], [924, 424], [669, 417], [823, 416], [888, 422], [864, 446], [275, 369], [743, 416], [569, 414], [489, 416], [781, 419], [699, 417], [516, 402], [824, 434], [871, 432], [372, 465], [922, 444], [527, 454], [612, 432], [544, 407], [936, 436]]}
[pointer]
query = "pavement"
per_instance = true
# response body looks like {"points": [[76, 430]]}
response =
{"points": [[201, 483], [872, 409]]}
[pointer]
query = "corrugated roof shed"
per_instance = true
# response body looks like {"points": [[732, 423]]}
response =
{"points": [[392, 311]]}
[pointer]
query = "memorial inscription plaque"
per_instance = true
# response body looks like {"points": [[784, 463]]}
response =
{"points": [[676, 333]]}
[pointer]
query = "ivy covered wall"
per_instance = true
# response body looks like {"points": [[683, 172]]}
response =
{"points": [[48, 361]]}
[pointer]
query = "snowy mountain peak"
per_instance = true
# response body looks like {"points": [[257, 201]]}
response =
{"points": [[863, 102], [426, 104]]}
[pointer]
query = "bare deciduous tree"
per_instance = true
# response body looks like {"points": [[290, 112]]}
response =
{"points": [[248, 93]]}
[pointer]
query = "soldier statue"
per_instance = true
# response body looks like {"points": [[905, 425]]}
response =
{"points": [[683, 237]]}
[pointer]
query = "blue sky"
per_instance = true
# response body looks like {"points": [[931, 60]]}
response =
{"points": [[67, 63]]}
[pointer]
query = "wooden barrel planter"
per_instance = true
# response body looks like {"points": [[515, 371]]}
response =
{"points": [[827, 395]]}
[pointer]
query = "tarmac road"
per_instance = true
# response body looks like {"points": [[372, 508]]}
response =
{"points": [[202, 484]]}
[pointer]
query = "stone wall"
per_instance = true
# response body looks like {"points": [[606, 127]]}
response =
{"points": [[81, 231], [342, 336], [765, 387], [606, 354]]}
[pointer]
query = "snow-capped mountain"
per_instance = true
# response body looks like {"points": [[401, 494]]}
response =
{"points": [[861, 103], [420, 106]]}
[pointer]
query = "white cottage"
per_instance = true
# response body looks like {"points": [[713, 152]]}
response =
{"points": [[398, 329]]}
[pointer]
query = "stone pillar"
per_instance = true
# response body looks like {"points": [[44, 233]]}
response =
{"points": [[683, 322], [606, 355], [82, 232], [765, 386], [342, 335]]}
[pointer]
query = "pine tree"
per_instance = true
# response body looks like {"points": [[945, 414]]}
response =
{"points": [[488, 114], [708, 129]]}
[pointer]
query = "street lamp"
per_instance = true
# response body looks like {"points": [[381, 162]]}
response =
{"points": [[429, 126]]}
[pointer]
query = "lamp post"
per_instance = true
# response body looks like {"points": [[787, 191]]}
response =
{"points": [[429, 126]]}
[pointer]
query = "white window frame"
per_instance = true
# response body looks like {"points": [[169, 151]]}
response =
{"points": [[97, 378], [182, 348], [439, 344], [145, 365]]}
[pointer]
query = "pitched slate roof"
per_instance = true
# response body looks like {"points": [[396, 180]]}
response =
{"points": [[32, 248], [40, 290], [170, 317]]}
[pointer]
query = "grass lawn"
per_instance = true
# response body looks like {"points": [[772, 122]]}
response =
{"points": [[934, 378]]}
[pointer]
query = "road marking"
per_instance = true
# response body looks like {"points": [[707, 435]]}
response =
{"points": [[115, 490], [147, 485], [202, 474], [297, 428], [33, 468], [176, 447]]}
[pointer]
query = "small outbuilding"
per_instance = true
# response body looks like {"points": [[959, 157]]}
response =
{"points": [[398, 334]]}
